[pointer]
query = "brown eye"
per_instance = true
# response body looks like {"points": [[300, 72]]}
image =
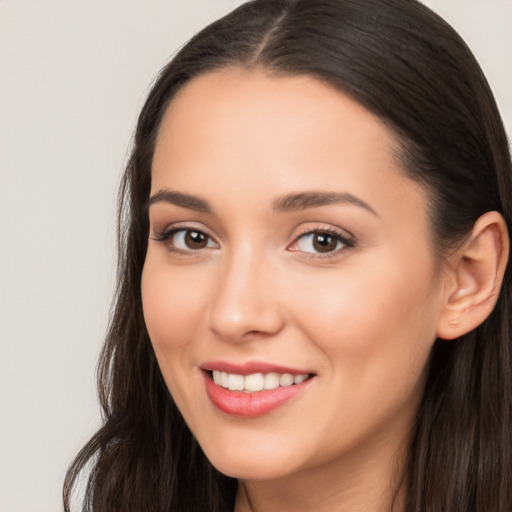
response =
{"points": [[324, 242], [195, 239], [186, 240], [321, 242]]}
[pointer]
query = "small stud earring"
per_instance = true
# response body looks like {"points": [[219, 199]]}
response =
{"points": [[454, 323]]}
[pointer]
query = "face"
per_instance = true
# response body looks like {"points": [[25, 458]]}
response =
{"points": [[290, 288]]}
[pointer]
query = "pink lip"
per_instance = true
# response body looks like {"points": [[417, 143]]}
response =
{"points": [[250, 367], [250, 405]]}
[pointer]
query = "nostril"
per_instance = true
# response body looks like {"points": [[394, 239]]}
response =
{"points": [[243, 311]]}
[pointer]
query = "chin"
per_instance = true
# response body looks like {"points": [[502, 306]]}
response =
{"points": [[250, 470], [252, 464]]}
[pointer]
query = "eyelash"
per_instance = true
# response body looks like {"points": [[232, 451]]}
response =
{"points": [[166, 236], [347, 242]]}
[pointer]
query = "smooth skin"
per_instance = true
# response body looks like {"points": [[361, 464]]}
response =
{"points": [[351, 291]]}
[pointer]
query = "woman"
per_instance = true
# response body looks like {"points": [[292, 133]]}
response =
{"points": [[313, 309]]}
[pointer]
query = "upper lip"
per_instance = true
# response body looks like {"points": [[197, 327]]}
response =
{"points": [[251, 367]]}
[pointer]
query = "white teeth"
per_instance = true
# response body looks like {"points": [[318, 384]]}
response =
{"points": [[299, 378], [286, 379], [235, 382], [256, 381], [271, 381]]}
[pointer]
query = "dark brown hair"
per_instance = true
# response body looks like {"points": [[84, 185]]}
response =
{"points": [[408, 67]]}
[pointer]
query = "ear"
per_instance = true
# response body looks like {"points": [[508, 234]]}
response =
{"points": [[474, 276]]}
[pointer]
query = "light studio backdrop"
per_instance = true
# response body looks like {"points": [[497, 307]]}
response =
{"points": [[73, 76]]}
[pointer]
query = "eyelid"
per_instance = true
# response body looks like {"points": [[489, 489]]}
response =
{"points": [[345, 237], [165, 235], [167, 229]]}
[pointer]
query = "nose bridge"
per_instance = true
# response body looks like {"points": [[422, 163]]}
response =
{"points": [[245, 301]]}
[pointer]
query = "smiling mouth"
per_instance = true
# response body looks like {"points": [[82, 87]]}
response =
{"points": [[256, 381]]}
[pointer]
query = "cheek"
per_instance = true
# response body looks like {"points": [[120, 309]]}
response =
{"points": [[375, 333], [372, 317], [173, 306], [172, 303]]}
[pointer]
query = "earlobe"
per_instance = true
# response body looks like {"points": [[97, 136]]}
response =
{"points": [[474, 277]]}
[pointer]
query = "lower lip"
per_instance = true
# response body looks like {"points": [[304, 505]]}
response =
{"points": [[250, 405]]}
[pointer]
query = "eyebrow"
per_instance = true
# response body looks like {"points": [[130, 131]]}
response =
{"points": [[288, 203], [312, 199], [180, 199]]}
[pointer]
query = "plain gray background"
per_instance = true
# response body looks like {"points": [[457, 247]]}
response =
{"points": [[73, 76]]}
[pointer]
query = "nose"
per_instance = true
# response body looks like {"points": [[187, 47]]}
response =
{"points": [[245, 305]]}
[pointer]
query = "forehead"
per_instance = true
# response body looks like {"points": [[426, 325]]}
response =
{"points": [[245, 132], [269, 113]]}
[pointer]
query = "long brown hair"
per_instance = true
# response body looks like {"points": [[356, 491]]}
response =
{"points": [[408, 67]]}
